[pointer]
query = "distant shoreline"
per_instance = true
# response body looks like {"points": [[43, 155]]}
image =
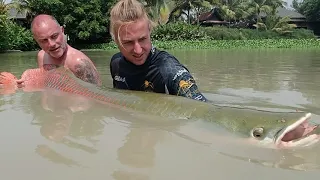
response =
{"points": [[218, 44], [209, 44]]}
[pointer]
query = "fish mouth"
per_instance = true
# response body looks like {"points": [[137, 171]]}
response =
{"points": [[300, 133]]}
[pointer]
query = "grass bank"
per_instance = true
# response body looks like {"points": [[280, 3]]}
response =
{"points": [[220, 44]]}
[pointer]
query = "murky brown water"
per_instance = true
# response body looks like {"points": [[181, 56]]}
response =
{"points": [[49, 142]]}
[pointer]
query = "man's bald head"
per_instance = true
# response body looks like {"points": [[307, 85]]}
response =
{"points": [[42, 20], [49, 35]]}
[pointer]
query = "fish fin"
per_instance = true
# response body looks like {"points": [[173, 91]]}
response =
{"points": [[8, 84], [7, 78]]}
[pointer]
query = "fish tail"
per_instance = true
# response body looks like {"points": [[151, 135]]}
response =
{"points": [[7, 78]]}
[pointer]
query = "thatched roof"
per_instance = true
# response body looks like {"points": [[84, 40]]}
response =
{"points": [[283, 12], [212, 16]]}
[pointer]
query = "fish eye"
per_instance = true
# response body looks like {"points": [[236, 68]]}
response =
{"points": [[257, 132]]}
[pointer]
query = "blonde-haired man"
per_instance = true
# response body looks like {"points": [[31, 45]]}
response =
{"points": [[139, 65]]}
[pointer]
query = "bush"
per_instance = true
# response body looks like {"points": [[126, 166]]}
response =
{"points": [[178, 31], [15, 37], [4, 40], [183, 31], [223, 33], [21, 38], [239, 44], [302, 34]]}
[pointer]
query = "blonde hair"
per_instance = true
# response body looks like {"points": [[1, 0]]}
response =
{"points": [[125, 12]]}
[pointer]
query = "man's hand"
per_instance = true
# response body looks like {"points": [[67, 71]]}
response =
{"points": [[20, 83]]}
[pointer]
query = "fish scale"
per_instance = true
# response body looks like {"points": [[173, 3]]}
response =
{"points": [[63, 80], [237, 120]]}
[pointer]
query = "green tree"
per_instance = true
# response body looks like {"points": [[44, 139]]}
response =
{"points": [[84, 20], [233, 9], [4, 40], [13, 36], [309, 8], [277, 24], [158, 10], [185, 7]]}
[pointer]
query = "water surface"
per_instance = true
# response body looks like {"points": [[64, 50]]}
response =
{"points": [[46, 141]]}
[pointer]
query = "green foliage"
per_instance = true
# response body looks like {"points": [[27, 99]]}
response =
{"points": [[255, 34], [14, 36], [20, 38], [4, 7], [223, 33], [301, 34], [184, 7], [183, 31], [46, 7], [84, 20], [277, 24], [178, 31], [88, 21], [222, 44], [239, 44], [4, 40], [311, 9]]}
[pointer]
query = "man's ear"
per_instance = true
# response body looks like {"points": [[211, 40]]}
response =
{"points": [[62, 29]]}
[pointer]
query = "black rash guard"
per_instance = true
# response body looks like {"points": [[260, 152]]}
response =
{"points": [[161, 73]]}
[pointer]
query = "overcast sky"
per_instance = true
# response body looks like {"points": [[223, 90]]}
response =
{"points": [[289, 2]]}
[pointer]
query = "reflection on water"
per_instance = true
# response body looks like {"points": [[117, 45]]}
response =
{"points": [[71, 137], [301, 160], [56, 114]]}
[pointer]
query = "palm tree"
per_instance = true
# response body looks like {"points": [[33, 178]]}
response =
{"points": [[185, 7], [272, 21], [24, 6], [4, 7], [158, 10], [275, 4], [256, 7], [237, 8]]}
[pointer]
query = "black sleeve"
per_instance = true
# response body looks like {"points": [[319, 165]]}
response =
{"points": [[178, 79]]}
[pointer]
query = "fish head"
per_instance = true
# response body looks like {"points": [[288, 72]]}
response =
{"points": [[287, 133]]}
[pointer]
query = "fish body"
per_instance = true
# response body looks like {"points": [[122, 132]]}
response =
{"points": [[277, 130]]}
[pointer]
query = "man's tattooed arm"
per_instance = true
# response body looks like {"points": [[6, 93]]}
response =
{"points": [[86, 71]]}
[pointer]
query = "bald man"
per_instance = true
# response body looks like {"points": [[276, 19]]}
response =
{"points": [[56, 52]]}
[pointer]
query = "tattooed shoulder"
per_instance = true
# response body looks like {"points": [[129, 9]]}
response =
{"points": [[85, 70]]}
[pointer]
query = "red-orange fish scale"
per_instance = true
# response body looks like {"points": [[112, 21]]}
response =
{"points": [[39, 79], [7, 78], [65, 83]]}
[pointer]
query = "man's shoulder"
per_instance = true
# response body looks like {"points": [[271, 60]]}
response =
{"points": [[115, 56], [76, 54], [164, 58], [168, 65], [159, 53], [76, 60], [41, 52], [41, 55], [42, 58]]}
